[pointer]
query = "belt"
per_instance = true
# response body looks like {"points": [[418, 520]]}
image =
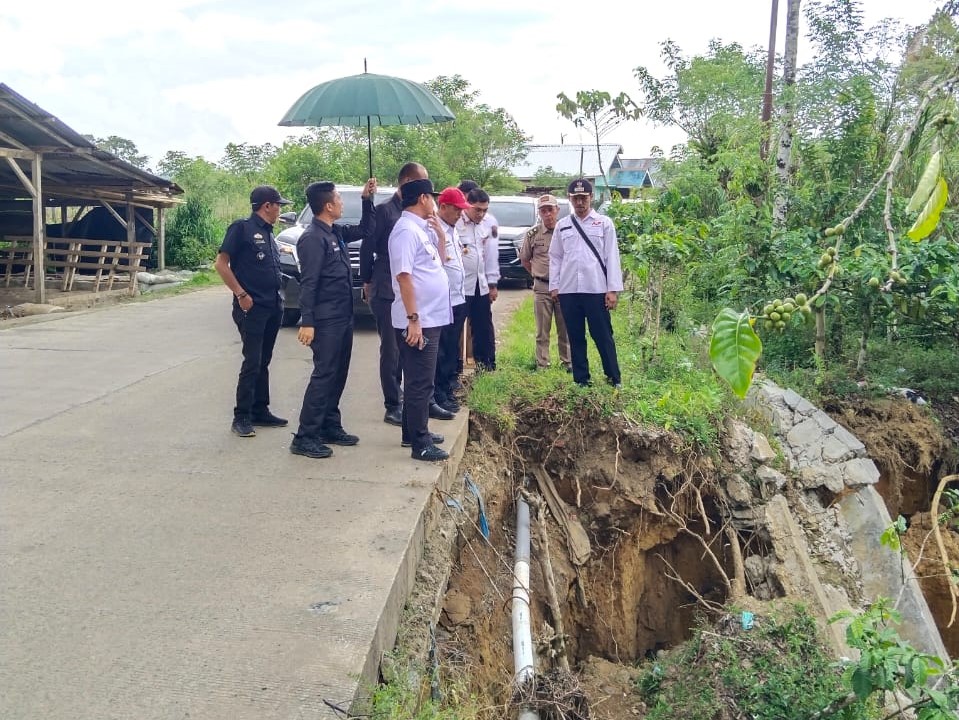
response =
{"points": [[541, 279]]}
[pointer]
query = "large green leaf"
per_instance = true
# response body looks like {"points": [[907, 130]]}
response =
{"points": [[929, 217], [735, 349], [926, 183]]}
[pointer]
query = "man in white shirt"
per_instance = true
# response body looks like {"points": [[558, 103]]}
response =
{"points": [[478, 240], [421, 307], [451, 204], [584, 273]]}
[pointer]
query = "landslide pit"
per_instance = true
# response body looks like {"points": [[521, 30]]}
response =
{"points": [[652, 510], [647, 504]]}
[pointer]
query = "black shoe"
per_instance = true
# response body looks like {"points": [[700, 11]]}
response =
{"points": [[309, 447], [450, 405], [339, 437], [431, 453], [615, 383], [393, 417], [434, 438], [243, 428], [268, 419], [567, 368], [439, 413]]}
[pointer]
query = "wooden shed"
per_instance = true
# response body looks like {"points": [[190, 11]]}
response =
{"points": [[47, 171]]}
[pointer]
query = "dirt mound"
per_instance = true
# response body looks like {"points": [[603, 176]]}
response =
{"points": [[907, 445], [647, 505]]}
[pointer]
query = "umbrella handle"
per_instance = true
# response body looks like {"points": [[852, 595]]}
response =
{"points": [[369, 144]]}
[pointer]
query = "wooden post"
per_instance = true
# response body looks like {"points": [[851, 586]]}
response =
{"points": [[161, 239], [39, 234], [131, 243]]}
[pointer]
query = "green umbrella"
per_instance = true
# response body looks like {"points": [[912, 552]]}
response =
{"points": [[367, 100]]}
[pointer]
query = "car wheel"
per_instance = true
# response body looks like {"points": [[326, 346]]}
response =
{"points": [[291, 316]]}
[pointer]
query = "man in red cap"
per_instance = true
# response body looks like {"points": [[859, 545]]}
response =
{"points": [[451, 202]]}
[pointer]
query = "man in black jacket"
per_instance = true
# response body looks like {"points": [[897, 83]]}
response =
{"points": [[326, 306], [249, 265]]}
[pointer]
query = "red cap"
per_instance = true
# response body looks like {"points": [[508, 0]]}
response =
{"points": [[453, 196]]}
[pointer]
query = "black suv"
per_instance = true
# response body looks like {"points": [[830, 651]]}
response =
{"points": [[289, 261]]}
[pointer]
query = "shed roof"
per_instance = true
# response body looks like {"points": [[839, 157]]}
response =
{"points": [[74, 170], [566, 159]]}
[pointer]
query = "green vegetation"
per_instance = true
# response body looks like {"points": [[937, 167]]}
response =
{"points": [[675, 390], [410, 694], [852, 215], [777, 670], [194, 235]]}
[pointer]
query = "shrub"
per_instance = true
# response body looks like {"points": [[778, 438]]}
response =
{"points": [[194, 235]]}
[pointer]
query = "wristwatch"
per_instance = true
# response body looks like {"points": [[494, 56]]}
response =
{"points": [[414, 317]]}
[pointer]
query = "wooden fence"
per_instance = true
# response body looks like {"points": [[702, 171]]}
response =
{"points": [[100, 260]]}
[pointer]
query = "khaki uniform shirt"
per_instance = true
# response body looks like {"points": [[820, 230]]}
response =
{"points": [[535, 250]]}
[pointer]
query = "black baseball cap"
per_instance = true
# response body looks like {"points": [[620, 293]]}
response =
{"points": [[580, 186], [411, 191], [267, 193]]}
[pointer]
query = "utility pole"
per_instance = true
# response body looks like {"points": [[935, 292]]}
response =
{"points": [[768, 92]]}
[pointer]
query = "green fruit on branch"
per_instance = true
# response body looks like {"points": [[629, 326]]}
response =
{"points": [[831, 251], [789, 307], [785, 316], [774, 316], [801, 299], [806, 310], [873, 282], [768, 308], [780, 325], [768, 324], [789, 301]]}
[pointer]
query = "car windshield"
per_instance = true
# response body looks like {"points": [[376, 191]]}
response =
{"points": [[513, 214]]}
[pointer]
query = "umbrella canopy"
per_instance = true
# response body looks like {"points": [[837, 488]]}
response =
{"points": [[365, 100]]}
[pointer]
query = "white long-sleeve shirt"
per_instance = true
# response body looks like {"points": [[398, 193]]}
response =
{"points": [[572, 266], [480, 255], [454, 264]]}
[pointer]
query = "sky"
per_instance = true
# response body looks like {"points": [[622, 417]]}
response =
{"points": [[194, 75]]}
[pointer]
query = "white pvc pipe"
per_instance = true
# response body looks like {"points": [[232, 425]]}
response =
{"points": [[522, 635]]}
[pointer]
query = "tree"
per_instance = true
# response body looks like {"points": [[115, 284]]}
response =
{"points": [[599, 113], [121, 147], [245, 159]]}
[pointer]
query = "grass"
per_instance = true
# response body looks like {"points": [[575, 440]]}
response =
{"points": [[777, 670], [676, 390]]}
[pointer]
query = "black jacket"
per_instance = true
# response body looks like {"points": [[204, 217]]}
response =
{"points": [[376, 270], [326, 282]]}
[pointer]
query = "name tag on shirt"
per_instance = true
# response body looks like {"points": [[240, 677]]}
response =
{"points": [[258, 238]]}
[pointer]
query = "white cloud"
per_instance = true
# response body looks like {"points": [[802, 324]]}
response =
{"points": [[198, 74]]}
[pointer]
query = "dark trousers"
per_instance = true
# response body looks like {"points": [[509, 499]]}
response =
{"points": [[419, 371], [390, 374], [449, 356], [579, 309], [332, 348], [258, 329], [479, 310]]}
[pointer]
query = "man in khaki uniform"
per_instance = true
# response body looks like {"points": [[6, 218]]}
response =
{"points": [[535, 258]]}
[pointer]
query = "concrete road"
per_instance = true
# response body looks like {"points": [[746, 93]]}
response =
{"points": [[152, 565]]}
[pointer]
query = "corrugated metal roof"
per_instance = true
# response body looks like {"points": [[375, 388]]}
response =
{"points": [[566, 160], [73, 167]]}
